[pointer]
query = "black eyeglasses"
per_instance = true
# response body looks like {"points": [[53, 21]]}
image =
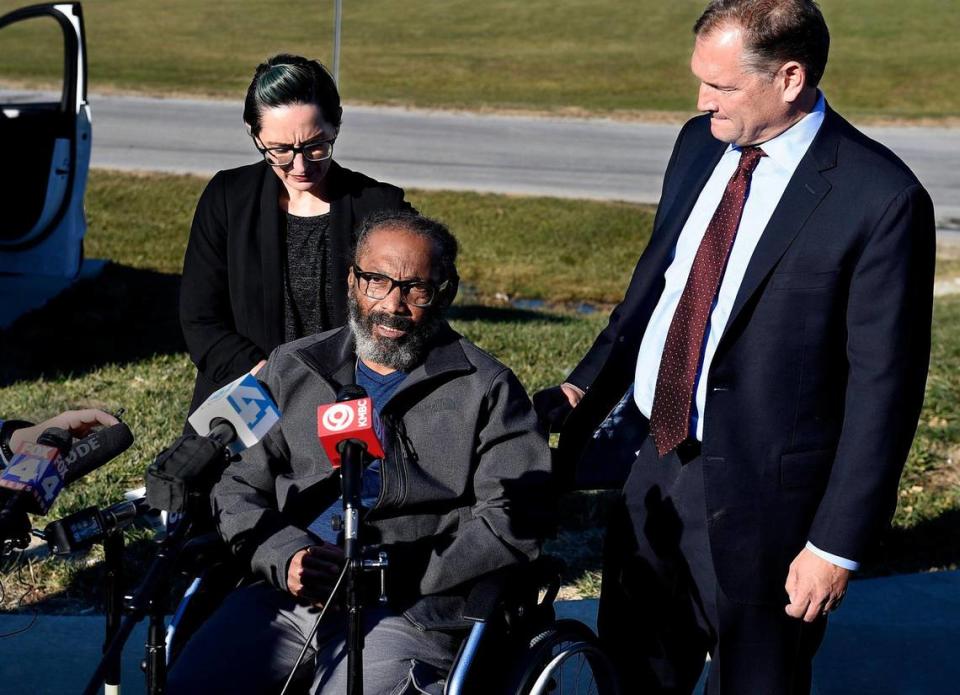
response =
{"points": [[315, 151], [418, 293]]}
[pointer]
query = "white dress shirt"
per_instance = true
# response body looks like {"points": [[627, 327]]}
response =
{"points": [[767, 185]]}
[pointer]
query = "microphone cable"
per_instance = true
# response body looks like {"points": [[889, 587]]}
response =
{"points": [[316, 626], [17, 564]]}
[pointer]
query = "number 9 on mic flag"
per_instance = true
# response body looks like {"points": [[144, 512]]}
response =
{"points": [[352, 419]]}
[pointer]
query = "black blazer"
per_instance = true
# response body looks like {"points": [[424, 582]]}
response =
{"points": [[816, 386], [231, 297]]}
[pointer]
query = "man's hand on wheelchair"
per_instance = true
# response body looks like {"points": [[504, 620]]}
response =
{"points": [[554, 404], [313, 572]]}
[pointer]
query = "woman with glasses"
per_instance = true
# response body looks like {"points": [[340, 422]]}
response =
{"points": [[271, 242]]}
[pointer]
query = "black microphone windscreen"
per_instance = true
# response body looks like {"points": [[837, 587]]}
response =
{"points": [[59, 439], [95, 450], [350, 392], [222, 431]]}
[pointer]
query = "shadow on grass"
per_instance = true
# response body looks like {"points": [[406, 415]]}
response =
{"points": [[122, 315], [579, 539], [84, 592], [491, 314], [931, 544]]}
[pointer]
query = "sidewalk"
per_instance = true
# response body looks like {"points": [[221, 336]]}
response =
{"points": [[893, 636]]}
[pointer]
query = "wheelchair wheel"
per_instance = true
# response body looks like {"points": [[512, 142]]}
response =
{"points": [[565, 659]]}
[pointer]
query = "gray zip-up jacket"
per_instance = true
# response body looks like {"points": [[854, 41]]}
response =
{"points": [[466, 479]]}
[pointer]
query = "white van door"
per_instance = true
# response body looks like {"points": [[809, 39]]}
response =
{"points": [[46, 137]]}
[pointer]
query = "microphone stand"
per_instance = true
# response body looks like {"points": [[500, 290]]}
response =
{"points": [[146, 600], [351, 470], [113, 595], [150, 596]]}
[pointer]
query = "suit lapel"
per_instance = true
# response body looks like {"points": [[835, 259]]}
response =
{"points": [[675, 206], [806, 189], [679, 204], [271, 262]]}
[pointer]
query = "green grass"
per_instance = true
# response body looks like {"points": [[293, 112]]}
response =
{"points": [[585, 251], [125, 351], [890, 58], [948, 262]]}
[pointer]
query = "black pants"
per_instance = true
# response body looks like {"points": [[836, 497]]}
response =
{"points": [[661, 609]]}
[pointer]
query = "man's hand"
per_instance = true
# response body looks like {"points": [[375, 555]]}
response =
{"points": [[313, 571], [815, 586], [554, 404], [573, 393], [77, 422]]}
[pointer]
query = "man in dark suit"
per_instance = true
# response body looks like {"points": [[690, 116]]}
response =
{"points": [[774, 341]]}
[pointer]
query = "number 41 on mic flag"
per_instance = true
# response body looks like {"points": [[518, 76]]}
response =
{"points": [[245, 404]]}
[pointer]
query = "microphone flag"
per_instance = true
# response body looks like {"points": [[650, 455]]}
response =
{"points": [[345, 420]]}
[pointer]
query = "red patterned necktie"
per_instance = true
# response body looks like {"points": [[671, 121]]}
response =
{"points": [[670, 417]]}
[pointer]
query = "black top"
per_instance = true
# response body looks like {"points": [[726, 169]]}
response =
{"points": [[306, 286]]}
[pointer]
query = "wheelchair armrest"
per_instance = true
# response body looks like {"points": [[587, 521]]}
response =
{"points": [[484, 596], [203, 550], [489, 591]]}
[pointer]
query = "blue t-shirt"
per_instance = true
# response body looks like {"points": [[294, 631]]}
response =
{"points": [[379, 387]]}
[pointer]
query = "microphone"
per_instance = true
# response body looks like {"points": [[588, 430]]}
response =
{"points": [[80, 530], [347, 430], [245, 404], [95, 450], [352, 417], [37, 473], [232, 419]]}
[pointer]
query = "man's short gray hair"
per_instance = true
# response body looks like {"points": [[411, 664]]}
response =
{"points": [[437, 232]]}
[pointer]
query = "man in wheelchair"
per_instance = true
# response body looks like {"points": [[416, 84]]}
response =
{"points": [[462, 490]]}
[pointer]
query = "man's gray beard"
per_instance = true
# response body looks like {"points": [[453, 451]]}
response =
{"points": [[402, 354]]}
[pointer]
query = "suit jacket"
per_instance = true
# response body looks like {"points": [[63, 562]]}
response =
{"points": [[231, 297], [816, 386]]}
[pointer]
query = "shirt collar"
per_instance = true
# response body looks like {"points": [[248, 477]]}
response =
{"points": [[787, 149]]}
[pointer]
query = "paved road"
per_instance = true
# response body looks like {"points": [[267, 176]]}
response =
{"points": [[570, 158], [579, 158]]}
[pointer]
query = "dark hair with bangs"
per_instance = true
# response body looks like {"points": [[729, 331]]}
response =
{"points": [[287, 79], [775, 32]]}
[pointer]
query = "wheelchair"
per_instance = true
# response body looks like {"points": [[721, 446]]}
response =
{"points": [[517, 627], [515, 645]]}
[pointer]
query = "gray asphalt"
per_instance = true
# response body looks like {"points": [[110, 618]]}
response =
{"points": [[565, 157], [427, 149], [892, 636]]}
